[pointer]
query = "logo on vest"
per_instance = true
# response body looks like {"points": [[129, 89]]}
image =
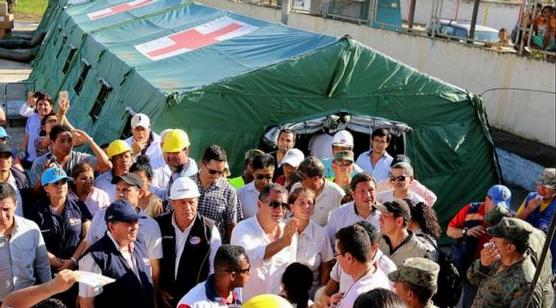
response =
{"points": [[195, 240]]}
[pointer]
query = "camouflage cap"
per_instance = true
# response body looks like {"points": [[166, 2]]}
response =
{"points": [[417, 271], [344, 155], [548, 178], [513, 229]]}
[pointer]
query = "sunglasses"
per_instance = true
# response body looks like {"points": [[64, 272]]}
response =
{"points": [[276, 204], [214, 171], [262, 177], [242, 271], [399, 178], [344, 163]]}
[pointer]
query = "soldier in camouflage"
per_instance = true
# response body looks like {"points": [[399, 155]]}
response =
{"points": [[504, 272], [537, 238], [415, 281]]}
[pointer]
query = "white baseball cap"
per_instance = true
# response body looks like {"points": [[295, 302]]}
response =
{"points": [[293, 157], [343, 138], [183, 188], [140, 119]]}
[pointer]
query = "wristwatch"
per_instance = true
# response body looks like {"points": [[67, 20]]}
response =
{"points": [[464, 231]]}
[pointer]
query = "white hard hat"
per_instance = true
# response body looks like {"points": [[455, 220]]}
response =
{"points": [[183, 188], [343, 138]]}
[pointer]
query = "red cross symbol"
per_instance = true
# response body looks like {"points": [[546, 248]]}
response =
{"points": [[117, 9]]}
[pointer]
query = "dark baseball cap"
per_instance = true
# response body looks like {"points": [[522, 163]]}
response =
{"points": [[4, 148], [130, 178], [397, 206], [121, 210]]}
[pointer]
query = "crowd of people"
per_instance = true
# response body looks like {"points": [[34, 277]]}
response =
{"points": [[291, 230], [542, 19]]}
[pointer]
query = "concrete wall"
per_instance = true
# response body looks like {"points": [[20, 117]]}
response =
{"points": [[523, 113], [493, 14]]}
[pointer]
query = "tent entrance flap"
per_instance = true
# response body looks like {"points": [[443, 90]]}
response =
{"points": [[360, 126]]}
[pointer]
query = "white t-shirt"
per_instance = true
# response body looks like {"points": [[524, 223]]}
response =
{"points": [[382, 261], [329, 199], [364, 284], [321, 146], [248, 196], [266, 275], [154, 152]]}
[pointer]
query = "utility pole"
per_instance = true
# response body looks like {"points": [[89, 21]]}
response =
{"points": [[473, 20]]}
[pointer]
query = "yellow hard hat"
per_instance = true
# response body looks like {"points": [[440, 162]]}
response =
{"points": [[267, 301], [174, 140], [117, 147]]}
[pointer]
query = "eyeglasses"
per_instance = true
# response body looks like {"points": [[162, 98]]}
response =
{"points": [[399, 178], [263, 176], [339, 254], [275, 204]]}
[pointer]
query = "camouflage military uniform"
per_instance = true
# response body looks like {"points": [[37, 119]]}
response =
{"points": [[500, 286], [420, 272]]}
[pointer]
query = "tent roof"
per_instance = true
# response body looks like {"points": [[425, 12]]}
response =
{"points": [[136, 36]]}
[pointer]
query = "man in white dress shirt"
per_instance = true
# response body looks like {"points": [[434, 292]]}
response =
{"points": [[353, 254], [267, 241], [363, 190], [263, 171], [377, 161]]}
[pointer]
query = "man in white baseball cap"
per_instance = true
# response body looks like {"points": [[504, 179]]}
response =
{"points": [[144, 141], [342, 141], [188, 240]]}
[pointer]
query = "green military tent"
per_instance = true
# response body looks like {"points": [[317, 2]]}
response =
{"points": [[229, 79]]}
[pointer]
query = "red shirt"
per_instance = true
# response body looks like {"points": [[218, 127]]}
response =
{"points": [[462, 216]]}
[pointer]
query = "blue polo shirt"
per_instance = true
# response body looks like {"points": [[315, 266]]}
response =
{"points": [[61, 233]]}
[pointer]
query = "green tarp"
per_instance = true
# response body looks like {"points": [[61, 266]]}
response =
{"points": [[227, 78]]}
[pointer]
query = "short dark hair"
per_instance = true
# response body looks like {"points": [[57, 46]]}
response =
{"points": [[361, 177], [80, 168], [51, 114], [43, 96], [372, 231], [379, 297], [423, 294], [7, 191], [381, 132], [310, 167], [143, 163], [228, 257], [262, 161], [520, 247], [297, 280], [270, 188], [214, 152], [287, 131], [57, 130], [354, 240]]}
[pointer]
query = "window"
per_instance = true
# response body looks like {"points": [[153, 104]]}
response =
{"points": [[71, 54], [64, 39], [126, 132], [105, 89], [81, 80]]}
